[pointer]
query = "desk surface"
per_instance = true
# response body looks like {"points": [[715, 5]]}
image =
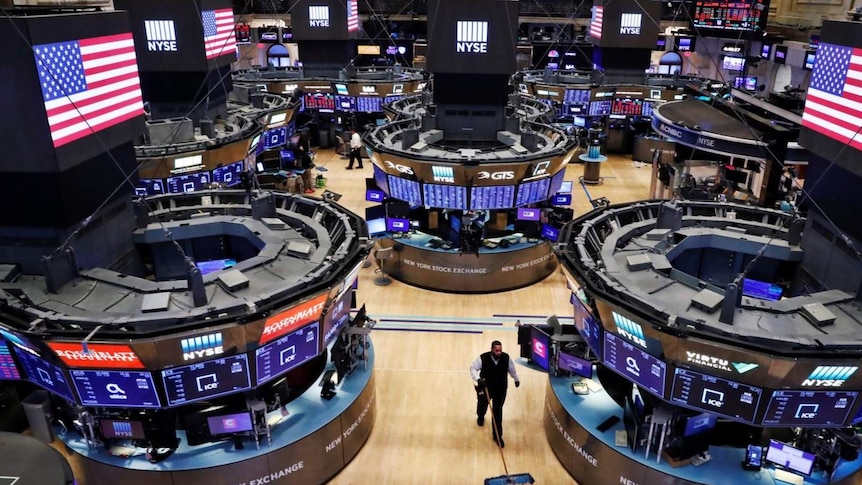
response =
{"points": [[307, 414], [724, 468]]}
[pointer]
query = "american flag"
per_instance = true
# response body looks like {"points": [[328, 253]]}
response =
{"points": [[88, 85], [218, 32], [352, 16], [596, 22], [833, 105]]}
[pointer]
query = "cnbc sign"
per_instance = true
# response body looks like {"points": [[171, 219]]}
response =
{"points": [[829, 376]]}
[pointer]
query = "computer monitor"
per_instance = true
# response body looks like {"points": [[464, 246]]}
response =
{"points": [[574, 364], [528, 214], [550, 233], [562, 199], [113, 429], [374, 195], [566, 187], [360, 317], [540, 344], [376, 226], [790, 458], [230, 423], [698, 424], [761, 290]]}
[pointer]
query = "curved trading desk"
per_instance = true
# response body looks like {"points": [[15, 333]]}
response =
{"points": [[590, 456], [27, 460], [310, 445], [417, 263]]}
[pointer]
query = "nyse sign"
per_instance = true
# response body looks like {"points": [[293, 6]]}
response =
{"points": [[721, 144]]}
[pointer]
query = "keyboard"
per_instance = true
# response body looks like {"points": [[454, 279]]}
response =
{"points": [[788, 477]]}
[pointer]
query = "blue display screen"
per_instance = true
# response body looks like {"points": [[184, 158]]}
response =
{"points": [[188, 183], [587, 326], [492, 197], [369, 104], [276, 358], [528, 214], [634, 364], [576, 96], [699, 424], [206, 379], [275, 138], [574, 109], [557, 183], [229, 423], [345, 103], [809, 409], [376, 226], [550, 233], [147, 187], [445, 196], [110, 388], [761, 290], [716, 395], [574, 364], [207, 267], [380, 179], [533, 191], [45, 374], [406, 190], [8, 369], [397, 224], [336, 317], [229, 174], [372, 195], [601, 108], [540, 347], [561, 199]]}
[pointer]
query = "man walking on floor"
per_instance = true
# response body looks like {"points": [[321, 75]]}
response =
{"points": [[355, 150], [490, 380]]}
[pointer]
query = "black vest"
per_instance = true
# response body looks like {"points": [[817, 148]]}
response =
{"points": [[495, 375]]}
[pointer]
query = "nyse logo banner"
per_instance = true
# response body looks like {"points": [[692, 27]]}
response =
{"points": [[829, 376], [630, 24], [318, 16], [443, 174], [471, 37], [630, 330], [161, 35], [202, 346]]}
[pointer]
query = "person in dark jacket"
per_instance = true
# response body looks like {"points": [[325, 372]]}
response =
{"points": [[305, 163], [490, 381]]}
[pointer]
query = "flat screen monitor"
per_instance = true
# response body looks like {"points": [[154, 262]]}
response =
{"points": [[576, 96], [699, 424], [550, 233], [230, 423], [287, 157], [780, 56], [403, 189], [790, 458], [738, 82], [634, 364], [376, 226], [111, 388], [118, 429], [336, 316], [192, 182], [380, 179], [751, 83], [8, 369], [213, 265], [275, 138], [531, 214], [809, 409], [492, 197], [714, 394], [557, 182], [319, 101], [204, 380], [147, 187], [229, 174], [765, 51], [369, 104], [345, 103], [252, 147], [533, 191], [396, 224], [275, 358], [661, 42], [562, 199], [627, 107], [45, 374], [601, 108], [732, 63], [341, 88], [589, 328], [809, 61], [574, 364], [685, 44], [540, 347], [445, 196], [565, 187], [761, 290], [374, 195], [579, 121], [730, 15]]}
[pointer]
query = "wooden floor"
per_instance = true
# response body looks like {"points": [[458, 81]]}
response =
{"points": [[426, 430]]}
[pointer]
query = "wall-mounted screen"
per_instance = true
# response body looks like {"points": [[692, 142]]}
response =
{"points": [[380, 179], [557, 183], [229, 423], [809, 409], [634, 364], [45, 374], [445, 196], [295, 348], [492, 197], [747, 15], [533, 191], [369, 104], [191, 182], [576, 96], [716, 395], [229, 174], [337, 315], [403, 189], [8, 369], [131, 389], [208, 379]]}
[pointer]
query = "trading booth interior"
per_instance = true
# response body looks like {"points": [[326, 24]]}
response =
{"points": [[709, 342]]}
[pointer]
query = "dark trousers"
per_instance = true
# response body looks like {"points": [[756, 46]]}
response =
{"points": [[357, 154], [498, 398]]}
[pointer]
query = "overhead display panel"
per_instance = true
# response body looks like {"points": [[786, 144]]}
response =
{"points": [[745, 15], [809, 409], [625, 23], [634, 364], [716, 395], [206, 379], [108, 388]]}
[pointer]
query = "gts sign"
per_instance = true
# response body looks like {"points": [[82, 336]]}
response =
{"points": [[485, 175], [400, 168]]}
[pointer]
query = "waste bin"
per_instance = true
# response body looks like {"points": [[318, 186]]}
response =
{"points": [[37, 408]]}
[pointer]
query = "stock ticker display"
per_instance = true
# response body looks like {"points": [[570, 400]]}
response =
{"points": [[809, 408], [533, 191], [295, 348], [716, 395], [8, 369], [132, 389], [206, 379], [492, 197], [634, 364], [729, 15], [445, 196]]}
